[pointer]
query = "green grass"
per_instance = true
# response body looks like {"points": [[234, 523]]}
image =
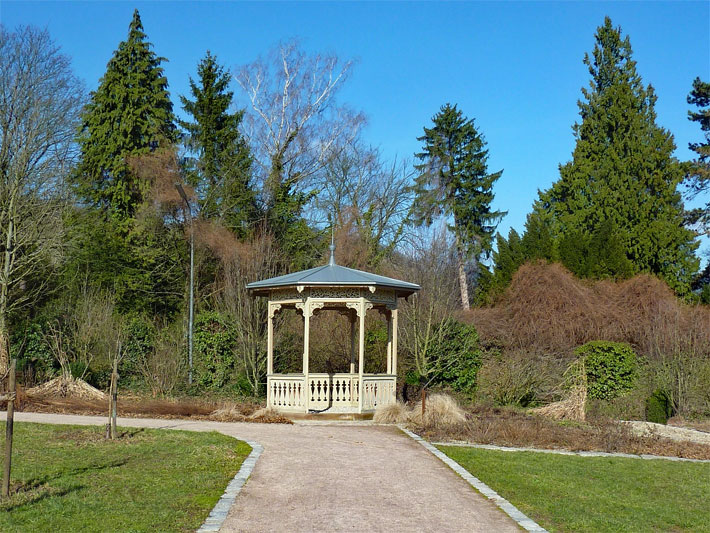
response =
{"points": [[596, 494], [69, 478]]}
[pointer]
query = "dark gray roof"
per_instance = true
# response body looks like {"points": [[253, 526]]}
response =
{"points": [[333, 275]]}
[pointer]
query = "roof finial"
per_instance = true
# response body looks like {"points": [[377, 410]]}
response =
{"points": [[332, 244]]}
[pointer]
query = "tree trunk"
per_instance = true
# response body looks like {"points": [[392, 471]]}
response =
{"points": [[112, 401], [9, 431], [463, 282], [4, 289]]}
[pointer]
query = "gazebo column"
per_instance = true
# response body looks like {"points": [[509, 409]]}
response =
{"points": [[273, 308], [388, 315], [394, 341], [353, 319], [361, 354], [306, 345]]}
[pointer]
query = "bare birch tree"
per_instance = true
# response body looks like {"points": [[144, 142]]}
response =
{"points": [[40, 101], [293, 121]]}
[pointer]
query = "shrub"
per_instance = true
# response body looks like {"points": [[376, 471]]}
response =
{"points": [[456, 356], [213, 355], [659, 407], [611, 368], [517, 378], [140, 341]]}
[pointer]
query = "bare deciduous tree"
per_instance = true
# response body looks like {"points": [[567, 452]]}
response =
{"points": [[294, 122], [249, 261], [431, 262], [359, 188], [40, 101]]}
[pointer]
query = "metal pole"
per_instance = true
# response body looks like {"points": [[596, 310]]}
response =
{"points": [[192, 299], [181, 191]]}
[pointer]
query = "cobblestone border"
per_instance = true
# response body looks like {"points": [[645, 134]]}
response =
{"points": [[219, 512], [508, 508], [580, 453]]}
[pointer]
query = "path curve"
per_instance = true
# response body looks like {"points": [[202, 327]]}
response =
{"points": [[337, 478]]}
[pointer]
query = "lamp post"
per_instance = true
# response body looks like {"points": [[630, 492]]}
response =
{"points": [[181, 191]]}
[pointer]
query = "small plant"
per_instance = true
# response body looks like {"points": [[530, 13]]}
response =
{"points": [[611, 368], [659, 407]]}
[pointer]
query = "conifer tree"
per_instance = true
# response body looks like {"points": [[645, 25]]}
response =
{"points": [[698, 170], [221, 169], [130, 113], [537, 242], [454, 182], [506, 260], [623, 170]]}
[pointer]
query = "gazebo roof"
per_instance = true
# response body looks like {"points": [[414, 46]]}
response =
{"points": [[332, 275]]}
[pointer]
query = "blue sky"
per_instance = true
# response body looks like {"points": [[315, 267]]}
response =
{"points": [[516, 67]]}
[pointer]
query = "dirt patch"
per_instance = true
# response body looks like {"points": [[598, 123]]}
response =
{"points": [[508, 427]]}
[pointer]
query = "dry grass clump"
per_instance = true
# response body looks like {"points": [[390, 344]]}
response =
{"points": [[442, 411], [394, 413], [571, 408], [67, 387], [268, 415], [546, 308]]}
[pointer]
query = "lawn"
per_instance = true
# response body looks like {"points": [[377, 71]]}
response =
{"points": [[69, 478], [599, 494]]}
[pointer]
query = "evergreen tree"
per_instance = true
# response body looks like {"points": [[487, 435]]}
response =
{"points": [[698, 170], [221, 171], [454, 182], [537, 241], [623, 169], [599, 256], [130, 113], [507, 259]]}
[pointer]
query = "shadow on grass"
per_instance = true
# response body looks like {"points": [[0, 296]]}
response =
{"points": [[36, 489], [19, 500]]}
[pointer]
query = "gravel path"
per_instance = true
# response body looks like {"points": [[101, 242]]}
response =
{"points": [[337, 478]]}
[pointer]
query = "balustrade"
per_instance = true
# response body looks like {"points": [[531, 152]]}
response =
{"points": [[330, 392]]}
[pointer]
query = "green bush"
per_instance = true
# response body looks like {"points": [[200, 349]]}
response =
{"points": [[140, 341], [611, 368], [34, 356], [213, 351], [659, 407], [457, 355]]}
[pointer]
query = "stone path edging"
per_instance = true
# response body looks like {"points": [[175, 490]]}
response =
{"points": [[508, 508], [219, 512], [580, 453]]}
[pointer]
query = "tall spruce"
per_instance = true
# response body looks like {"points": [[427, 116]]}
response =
{"points": [[220, 171], [454, 182], [623, 170], [698, 170], [129, 113]]}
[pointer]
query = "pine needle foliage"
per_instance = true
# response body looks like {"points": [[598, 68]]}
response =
{"points": [[130, 113], [221, 168], [623, 170], [698, 170], [454, 183]]}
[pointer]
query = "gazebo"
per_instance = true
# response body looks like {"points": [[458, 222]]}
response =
{"points": [[351, 293]]}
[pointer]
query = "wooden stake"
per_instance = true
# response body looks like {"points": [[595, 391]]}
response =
{"points": [[113, 400], [423, 404], [9, 430]]}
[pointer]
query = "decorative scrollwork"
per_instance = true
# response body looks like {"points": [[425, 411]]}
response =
{"points": [[285, 294], [273, 309], [386, 296], [313, 306], [335, 292]]}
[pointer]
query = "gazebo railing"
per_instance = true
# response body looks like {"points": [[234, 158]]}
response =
{"points": [[377, 391], [330, 392]]}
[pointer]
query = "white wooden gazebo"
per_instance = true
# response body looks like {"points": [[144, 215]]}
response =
{"points": [[351, 293]]}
